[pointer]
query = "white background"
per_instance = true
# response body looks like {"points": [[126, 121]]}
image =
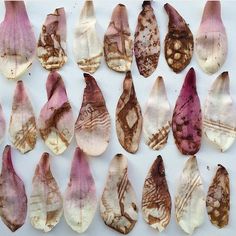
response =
{"points": [[110, 83]]}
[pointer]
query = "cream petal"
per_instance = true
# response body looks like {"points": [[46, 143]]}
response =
{"points": [[93, 125], [2, 124], [80, 202], [88, 49], [55, 122], [157, 116], [51, 48], [22, 128], [118, 204], [190, 197], [46, 205]]}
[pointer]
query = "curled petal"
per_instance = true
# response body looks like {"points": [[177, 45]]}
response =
{"points": [[2, 124]]}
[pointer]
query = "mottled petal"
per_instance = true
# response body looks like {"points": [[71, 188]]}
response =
{"points": [[118, 204], [17, 40], [156, 199], [93, 125], [45, 200], [147, 41], [178, 42], [22, 128], [118, 43], [52, 41], [55, 123], [80, 202], [211, 40], [88, 49], [157, 116], [129, 117], [2, 124], [219, 124], [187, 117], [13, 199], [190, 197]]}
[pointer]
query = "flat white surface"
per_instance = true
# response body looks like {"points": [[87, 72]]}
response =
{"points": [[110, 83]]}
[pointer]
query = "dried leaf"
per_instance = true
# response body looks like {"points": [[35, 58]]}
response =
{"points": [[2, 124]]}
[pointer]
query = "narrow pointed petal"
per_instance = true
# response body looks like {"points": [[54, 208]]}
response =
{"points": [[55, 123], [187, 117], [156, 199], [219, 123], [46, 199], [147, 41], [22, 128], [80, 202], [93, 125], [218, 198], [13, 199], [157, 117], [211, 41], [51, 48], [178, 42], [190, 197], [17, 40], [88, 49], [118, 43], [118, 204], [129, 118], [2, 124]]}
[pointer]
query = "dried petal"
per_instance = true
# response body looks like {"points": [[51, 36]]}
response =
{"points": [[93, 124], [22, 128], [118, 43], [13, 199], [17, 40], [156, 200], [52, 41], [80, 202], [187, 117], [190, 197], [2, 124], [219, 123], [147, 41], [87, 46], [56, 118], [157, 117], [45, 200], [211, 39], [129, 118], [118, 204], [178, 42]]}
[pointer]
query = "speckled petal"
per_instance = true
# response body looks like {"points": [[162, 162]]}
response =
{"points": [[2, 125]]}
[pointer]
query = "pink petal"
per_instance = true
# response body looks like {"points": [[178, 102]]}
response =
{"points": [[2, 124]]}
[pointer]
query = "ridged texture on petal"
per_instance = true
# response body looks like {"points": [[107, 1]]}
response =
{"points": [[129, 117], [218, 198], [118, 43], [2, 124], [87, 46], [118, 204], [17, 40], [147, 41], [157, 117], [22, 129], [219, 124], [156, 200], [80, 202], [187, 117], [56, 124], [52, 41], [93, 125], [13, 199], [211, 43], [190, 197], [46, 199], [178, 42]]}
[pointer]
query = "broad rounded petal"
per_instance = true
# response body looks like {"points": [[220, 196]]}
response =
{"points": [[80, 202], [22, 128], [118, 204], [93, 125], [45, 200], [2, 125], [118, 43]]}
